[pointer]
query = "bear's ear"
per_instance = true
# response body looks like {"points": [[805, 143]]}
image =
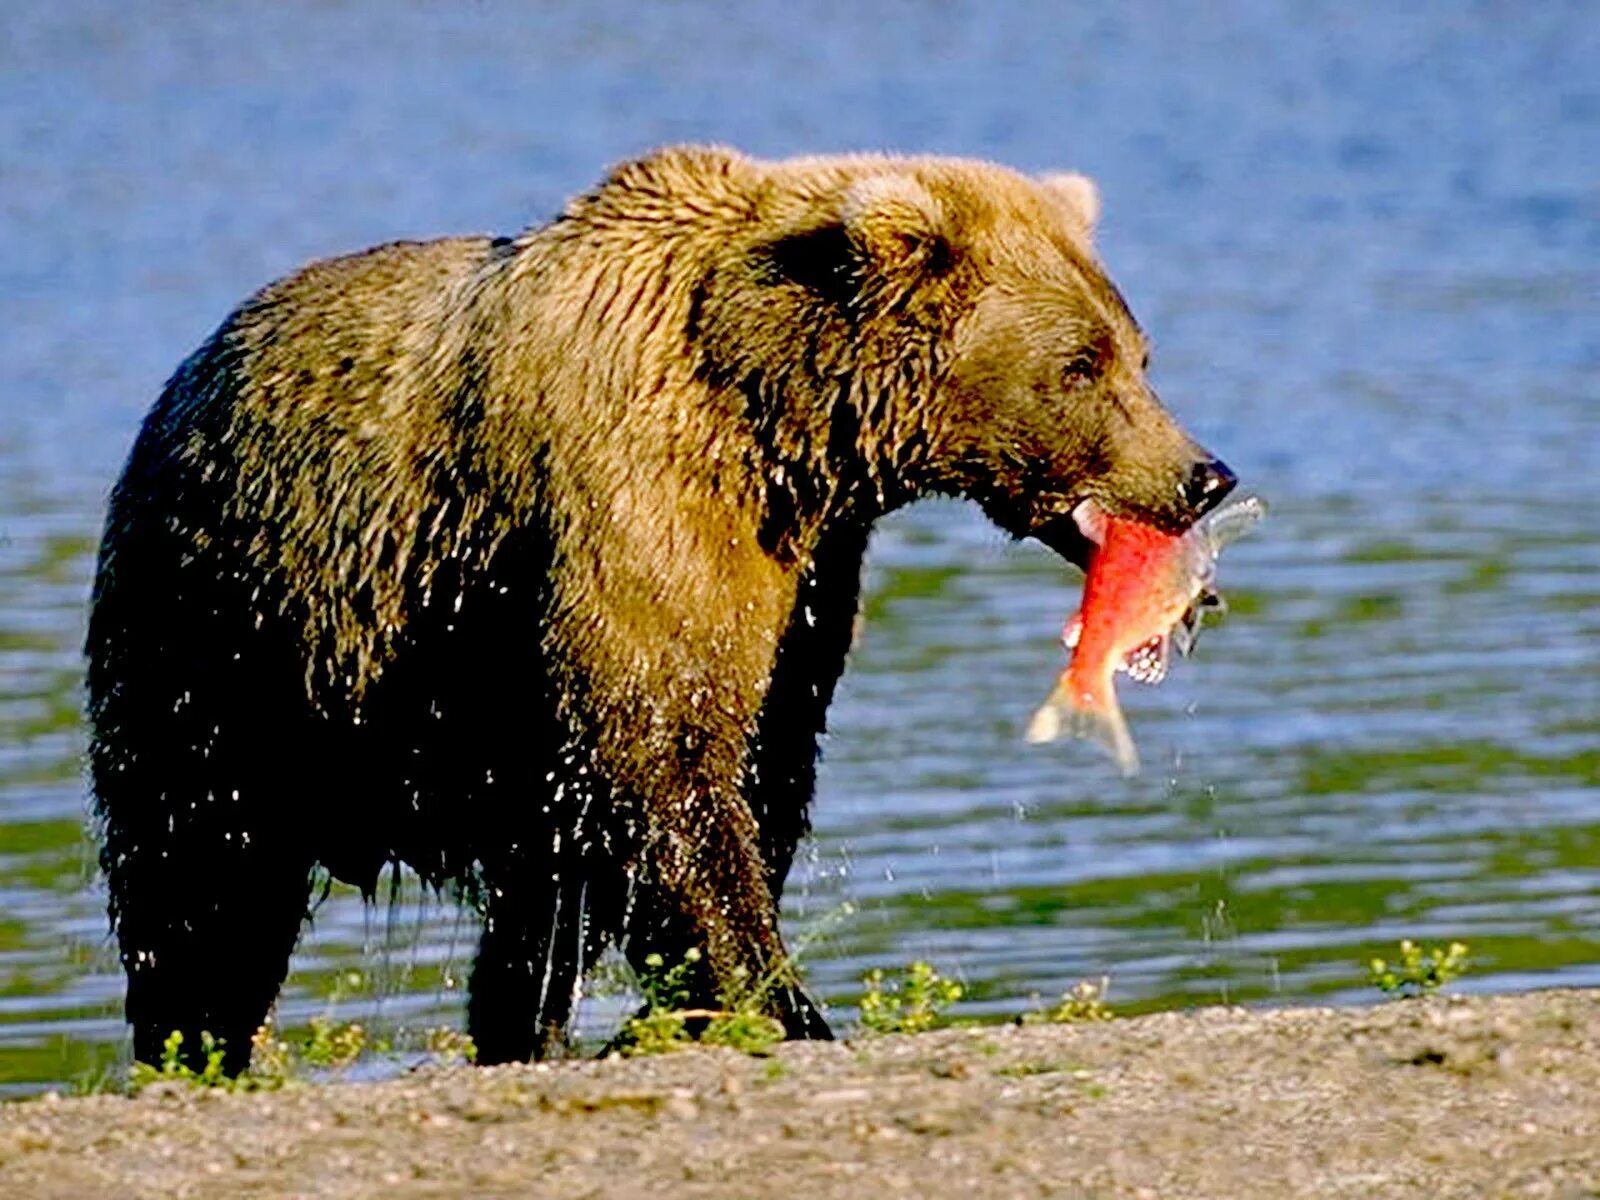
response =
{"points": [[1078, 195], [885, 228], [896, 223]]}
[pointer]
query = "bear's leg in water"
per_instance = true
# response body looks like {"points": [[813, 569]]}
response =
{"points": [[811, 658]]}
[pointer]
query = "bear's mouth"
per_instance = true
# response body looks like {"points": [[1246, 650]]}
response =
{"points": [[1063, 534], [1075, 535]]}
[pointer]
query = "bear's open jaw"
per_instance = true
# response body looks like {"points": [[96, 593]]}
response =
{"points": [[1065, 536]]}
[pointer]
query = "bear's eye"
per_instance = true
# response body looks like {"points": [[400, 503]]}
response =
{"points": [[1080, 371], [1088, 361]]}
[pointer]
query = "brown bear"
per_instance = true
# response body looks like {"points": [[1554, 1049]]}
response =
{"points": [[532, 562]]}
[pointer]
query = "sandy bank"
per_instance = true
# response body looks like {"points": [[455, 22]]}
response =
{"points": [[1441, 1098]]}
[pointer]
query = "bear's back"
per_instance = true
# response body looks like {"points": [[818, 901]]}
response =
{"points": [[342, 327]]}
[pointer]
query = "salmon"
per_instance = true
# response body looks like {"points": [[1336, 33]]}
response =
{"points": [[1144, 593]]}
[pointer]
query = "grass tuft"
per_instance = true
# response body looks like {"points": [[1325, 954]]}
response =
{"points": [[911, 1001], [1419, 971]]}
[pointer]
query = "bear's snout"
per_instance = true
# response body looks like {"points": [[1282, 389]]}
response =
{"points": [[1208, 483]]}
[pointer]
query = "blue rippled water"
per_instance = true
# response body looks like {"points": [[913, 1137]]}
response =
{"points": [[1366, 242]]}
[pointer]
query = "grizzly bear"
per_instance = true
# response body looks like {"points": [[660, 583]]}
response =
{"points": [[532, 562]]}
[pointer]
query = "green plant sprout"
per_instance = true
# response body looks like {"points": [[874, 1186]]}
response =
{"points": [[1420, 971], [911, 1003], [1083, 1002], [670, 1023], [277, 1062], [173, 1069], [448, 1047]]}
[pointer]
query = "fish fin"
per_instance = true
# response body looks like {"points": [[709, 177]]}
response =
{"points": [[1106, 726], [1046, 723], [1184, 633], [1148, 661], [1209, 603], [1072, 630]]}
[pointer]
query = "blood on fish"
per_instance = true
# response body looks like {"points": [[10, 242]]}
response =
{"points": [[1144, 586]]}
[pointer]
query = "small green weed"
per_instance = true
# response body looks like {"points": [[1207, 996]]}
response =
{"points": [[278, 1062], [448, 1046], [1420, 971], [1084, 1002], [332, 1044], [740, 1021], [103, 1077], [654, 1032], [740, 1024], [667, 988], [664, 1025], [911, 1002], [174, 1070], [744, 1029], [272, 1059]]}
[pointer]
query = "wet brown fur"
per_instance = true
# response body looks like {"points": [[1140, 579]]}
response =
{"points": [[532, 563]]}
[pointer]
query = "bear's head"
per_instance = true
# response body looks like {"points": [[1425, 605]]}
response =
{"points": [[898, 327]]}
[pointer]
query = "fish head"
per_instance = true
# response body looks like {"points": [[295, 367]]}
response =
{"points": [[1148, 588]]}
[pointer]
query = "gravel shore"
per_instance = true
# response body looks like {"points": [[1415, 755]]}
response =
{"points": [[1491, 1097]]}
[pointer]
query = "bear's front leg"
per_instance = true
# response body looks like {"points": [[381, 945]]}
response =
{"points": [[663, 640], [700, 883]]}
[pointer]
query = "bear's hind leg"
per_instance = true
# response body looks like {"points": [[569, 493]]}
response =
{"points": [[540, 935], [206, 928]]}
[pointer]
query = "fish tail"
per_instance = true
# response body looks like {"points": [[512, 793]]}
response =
{"points": [[1046, 723], [1062, 712], [1107, 727]]}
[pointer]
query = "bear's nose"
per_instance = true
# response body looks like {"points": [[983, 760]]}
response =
{"points": [[1207, 484]]}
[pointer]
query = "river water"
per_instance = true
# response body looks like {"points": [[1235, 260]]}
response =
{"points": [[1366, 242]]}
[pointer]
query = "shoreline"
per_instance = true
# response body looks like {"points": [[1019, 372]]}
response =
{"points": [[1439, 1097]]}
